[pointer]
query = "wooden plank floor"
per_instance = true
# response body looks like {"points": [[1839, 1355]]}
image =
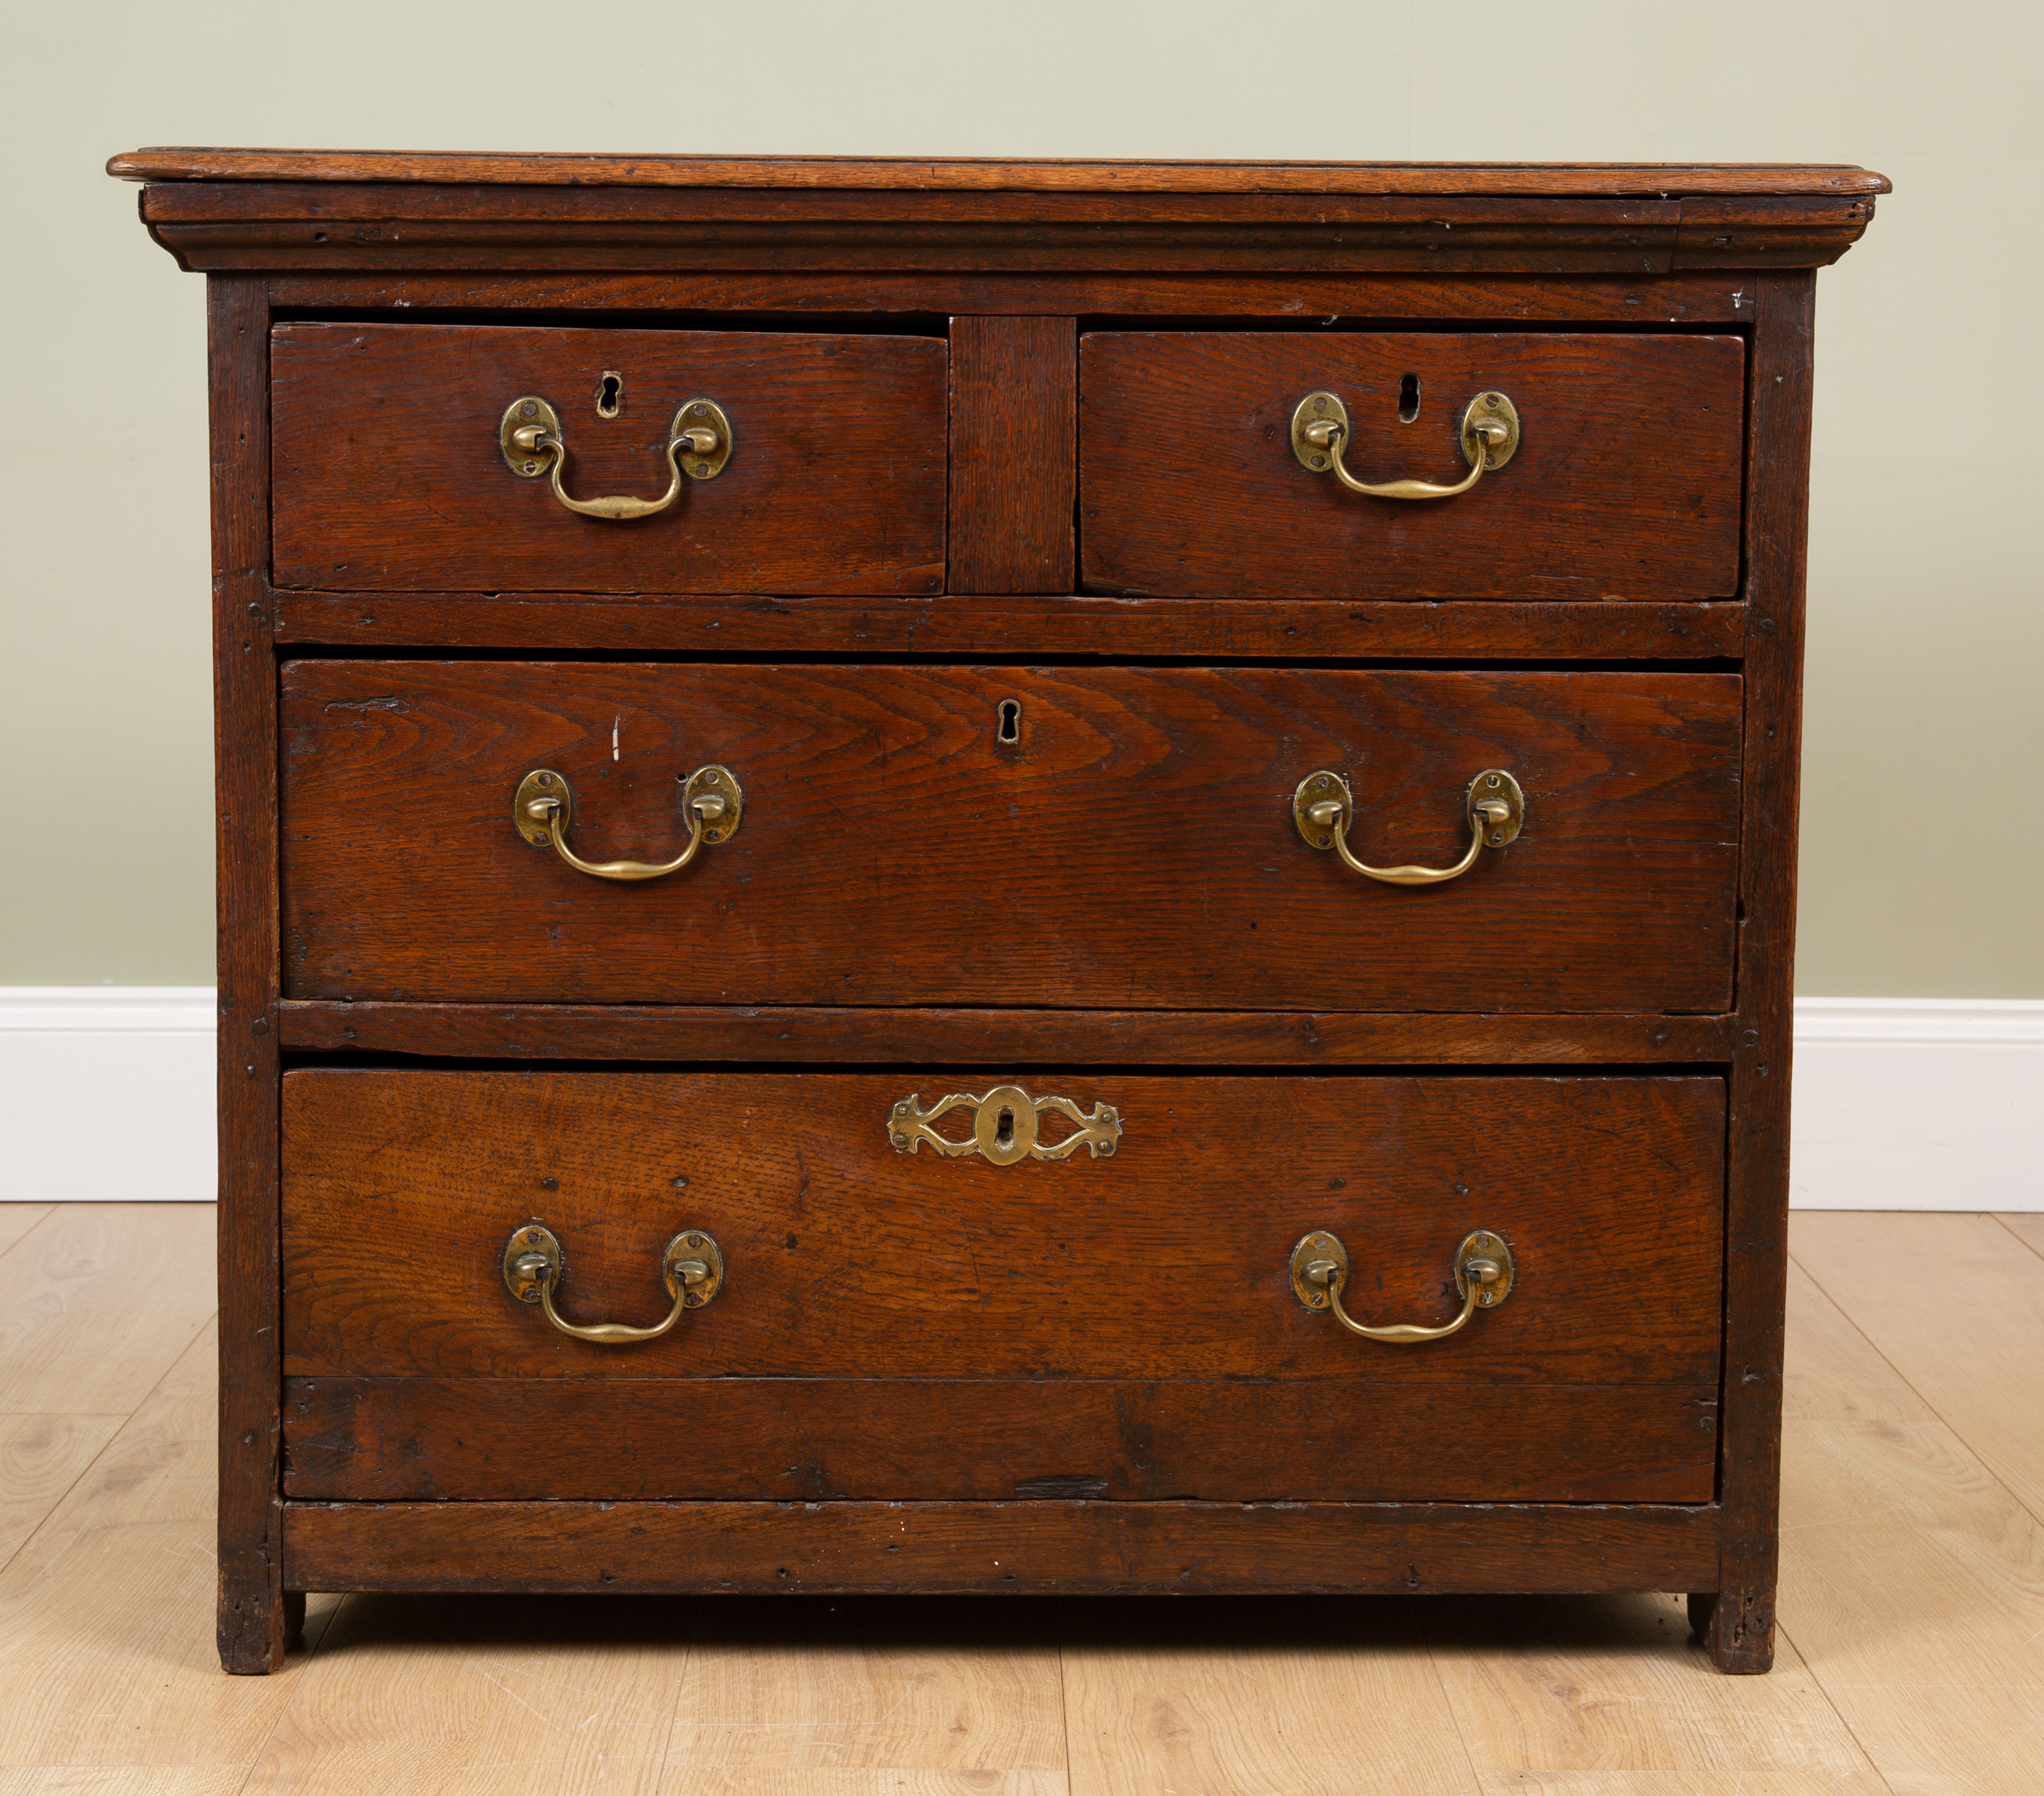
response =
{"points": [[1911, 1662]]}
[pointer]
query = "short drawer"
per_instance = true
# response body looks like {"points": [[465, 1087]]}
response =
{"points": [[1625, 482], [893, 1320], [1095, 836], [390, 473]]}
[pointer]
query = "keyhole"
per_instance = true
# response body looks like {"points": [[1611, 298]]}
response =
{"points": [[1011, 721], [610, 393], [1409, 398], [1004, 1129]]}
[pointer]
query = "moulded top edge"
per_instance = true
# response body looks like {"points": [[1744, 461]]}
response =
{"points": [[1532, 179]]}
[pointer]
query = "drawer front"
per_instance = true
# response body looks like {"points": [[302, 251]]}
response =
{"points": [[1625, 483], [896, 1324], [388, 474], [1135, 844]]}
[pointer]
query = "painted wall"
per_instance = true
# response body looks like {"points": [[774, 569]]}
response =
{"points": [[1923, 857]]}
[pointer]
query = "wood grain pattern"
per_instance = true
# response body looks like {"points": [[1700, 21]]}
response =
{"points": [[895, 853], [1757, 1205], [254, 1625], [966, 173], [76, 1337], [849, 1259], [1627, 480], [16, 1220], [785, 1033], [1014, 399], [1185, 629], [1302, 301], [831, 1440], [835, 483], [41, 1457], [1186, 1548]]}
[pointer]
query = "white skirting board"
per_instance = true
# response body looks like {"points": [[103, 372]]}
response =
{"points": [[1900, 1104]]}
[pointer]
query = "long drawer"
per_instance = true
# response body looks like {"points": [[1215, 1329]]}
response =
{"points": [[1061, 836], [1623, 479], [391, 471], [1059, 1285]]}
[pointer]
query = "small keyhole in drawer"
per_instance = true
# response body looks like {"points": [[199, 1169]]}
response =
{"points": [[610, 393], [1010, 729], [1004, 1129], [1409, 398]]}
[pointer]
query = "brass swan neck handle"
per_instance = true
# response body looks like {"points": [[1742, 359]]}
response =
{"points": [[1484, 1272], [530, 435], [1321, 432], [1324, 808], [544, 806], [692, 1266]]}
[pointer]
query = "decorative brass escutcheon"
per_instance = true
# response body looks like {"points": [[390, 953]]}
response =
{"points": [[1006, 1127], [691, 1266], [1323, 808], [1484, 1272], [529, 435], [1490, 437], [544, 806]]}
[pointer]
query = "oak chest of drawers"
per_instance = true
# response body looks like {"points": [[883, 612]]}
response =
{"points": [[1003, 876]]}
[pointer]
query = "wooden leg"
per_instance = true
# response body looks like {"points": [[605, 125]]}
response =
{"points": [[1738, 1628], [257, 1627]]}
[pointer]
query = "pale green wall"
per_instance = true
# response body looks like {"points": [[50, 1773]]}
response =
{"points": [[1927, 633]]}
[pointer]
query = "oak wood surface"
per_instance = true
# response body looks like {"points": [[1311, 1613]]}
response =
{"points": [[966, 174], [1015, 395], [1186, 630], [894, 852], [253, 1623], [1757, 1193], [830, 1440], [1625, 481], [388, 474], [1186, 1548], [1066, 1037], [846, 1257], [1302, 301], [42, 1455]]}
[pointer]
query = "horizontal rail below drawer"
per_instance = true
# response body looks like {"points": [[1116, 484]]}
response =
{"points": [[1073, 1547], [918, 1037], [1621, 627]]}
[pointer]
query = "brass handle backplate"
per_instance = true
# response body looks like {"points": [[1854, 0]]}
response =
{"points": [[1484, 1272], [1004, 1126], [1490, 437], [544, 806], [530, 435], [1324, 808], [691, 1266]]}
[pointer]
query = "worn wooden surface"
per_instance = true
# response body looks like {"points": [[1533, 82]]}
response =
{"points": [[1312, 302], [830, 1440], [1136, 845], [849, 1033], [1911, 1610], [835, 481], [253, 1621], [1014, 397], [848, 1259], [966, 173], [1189, 1549], [1757, 1194], [1626, 482], [1181, 629]]}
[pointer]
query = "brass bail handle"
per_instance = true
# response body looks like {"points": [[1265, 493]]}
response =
{"points": [[1321, 432], [1484, 1272], [544, 806], [1323, 808], [692, 1266], [698, 445]]}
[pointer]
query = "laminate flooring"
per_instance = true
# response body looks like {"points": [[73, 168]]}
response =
{"points": [[1911, 1648]]}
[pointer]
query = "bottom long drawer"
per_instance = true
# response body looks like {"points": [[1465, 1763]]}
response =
{"points": [[910, 1302]]}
